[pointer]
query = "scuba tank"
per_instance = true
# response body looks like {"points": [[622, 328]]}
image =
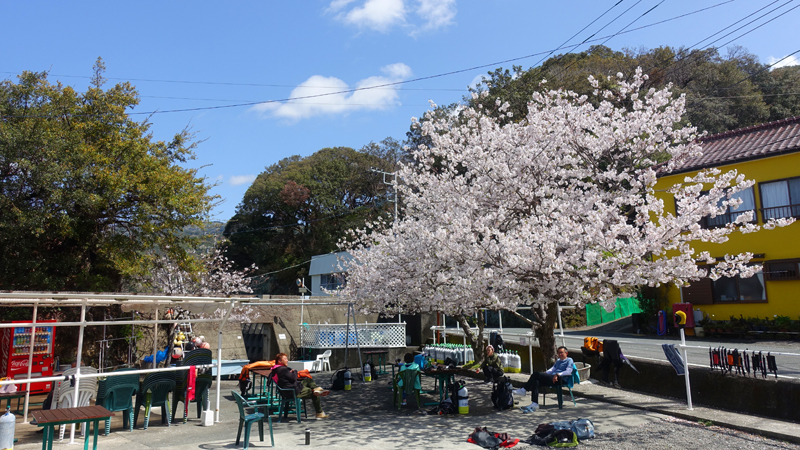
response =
{"points": [[515, 363], [503, 359], [470, 355], [7, 424], [348, 380], [367, 372], [463, 400]]}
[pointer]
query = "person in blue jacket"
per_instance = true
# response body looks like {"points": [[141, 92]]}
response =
{"points": [[561, 369]]}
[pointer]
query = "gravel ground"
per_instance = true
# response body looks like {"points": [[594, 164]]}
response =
{"points": [[672, 433]]}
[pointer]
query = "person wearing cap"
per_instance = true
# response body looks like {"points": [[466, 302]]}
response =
{"points": [[492, 366], [561, 369]]}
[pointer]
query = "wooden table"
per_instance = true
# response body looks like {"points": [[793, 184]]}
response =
{"points": [[49, 418], [10, 396], [380, 368], [445, 378], [264, 373]]}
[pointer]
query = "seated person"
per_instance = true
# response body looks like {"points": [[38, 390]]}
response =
{"points": [[286, 378], [561, 369], [492, 366], [409, 364]]}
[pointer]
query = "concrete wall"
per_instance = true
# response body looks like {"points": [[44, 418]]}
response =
{"points": [[280, 325], [770, 397]]}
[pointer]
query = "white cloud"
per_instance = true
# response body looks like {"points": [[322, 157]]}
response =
{"points": [[337, 101], [417, 16], [477, 81], [436, 13], [790, 61], [378, 15], [397, 71], [238, 180]]}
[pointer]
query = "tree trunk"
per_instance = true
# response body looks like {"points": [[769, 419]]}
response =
{"points": [[476, 341], [545, 331]]}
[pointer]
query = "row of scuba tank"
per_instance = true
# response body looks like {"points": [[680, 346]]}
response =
{"points": [[512, 362]]}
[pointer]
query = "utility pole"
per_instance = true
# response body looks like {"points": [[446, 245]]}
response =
{"points": [[393, 184]]}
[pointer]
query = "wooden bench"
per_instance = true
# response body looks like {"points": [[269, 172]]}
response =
{"points": [[49, 418], [19, 395]]}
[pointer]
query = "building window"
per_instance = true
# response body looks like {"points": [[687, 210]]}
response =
{"points": [[780, 199], [725, 290], [782, 270], [740, 289], [332, 281], [730, 215]]}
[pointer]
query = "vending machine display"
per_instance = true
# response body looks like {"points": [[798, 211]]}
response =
{"points": [[15, 347]]}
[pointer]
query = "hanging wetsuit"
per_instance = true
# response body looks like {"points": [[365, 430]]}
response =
{"points": [[611, 356], [772, 365]]}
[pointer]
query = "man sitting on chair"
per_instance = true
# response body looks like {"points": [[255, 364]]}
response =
{"points": [[287, 379], [492, 366], [561, 369]]}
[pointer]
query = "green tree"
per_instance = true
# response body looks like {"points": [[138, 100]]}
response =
{"points": [[88, 198], [723, 92], [300, 207]]}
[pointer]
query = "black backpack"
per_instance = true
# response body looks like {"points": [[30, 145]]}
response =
{"points": [[496, 340], [502, 397], [337, 380]]}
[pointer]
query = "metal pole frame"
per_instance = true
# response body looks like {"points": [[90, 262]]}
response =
{"points": [[219, 357], [30, 363], [78, 363], [686, 372], [351, 311]]}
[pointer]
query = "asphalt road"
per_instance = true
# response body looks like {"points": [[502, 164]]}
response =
{"points": [[649, 347]]}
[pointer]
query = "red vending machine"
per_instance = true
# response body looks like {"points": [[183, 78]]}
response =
{"points": [[15, 345]]}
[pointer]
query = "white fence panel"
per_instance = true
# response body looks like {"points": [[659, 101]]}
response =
{"points": [[368, 335]]}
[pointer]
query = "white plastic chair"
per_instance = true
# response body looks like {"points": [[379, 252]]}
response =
{"points": [[323, 361], [64, 394]]}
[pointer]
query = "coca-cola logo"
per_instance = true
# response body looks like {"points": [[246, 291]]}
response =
{"points": [[19, 363]]}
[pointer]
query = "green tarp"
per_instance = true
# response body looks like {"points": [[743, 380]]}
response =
{"points": [[596, 314]]}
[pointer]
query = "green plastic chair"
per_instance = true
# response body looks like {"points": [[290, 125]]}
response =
{"points": [[409, 377], [154, 391], [246, 420], [570, 382], [203, 383], [116, 393], [288, 402]]}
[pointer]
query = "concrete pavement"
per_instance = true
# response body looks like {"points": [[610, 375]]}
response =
{"points": [[366, 418]]}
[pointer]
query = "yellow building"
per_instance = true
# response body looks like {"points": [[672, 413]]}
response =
{"points": [[769, 154]]}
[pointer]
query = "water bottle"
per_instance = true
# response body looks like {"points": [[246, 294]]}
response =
{"points": [[348, 380], [367, 373]]}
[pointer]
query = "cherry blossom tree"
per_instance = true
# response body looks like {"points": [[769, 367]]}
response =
{"points": [[558, 208]]}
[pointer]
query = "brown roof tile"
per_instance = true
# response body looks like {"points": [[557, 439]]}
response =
{"points": [[759, 141]]}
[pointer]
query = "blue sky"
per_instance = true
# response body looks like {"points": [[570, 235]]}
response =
{"points": [[186, 55]]}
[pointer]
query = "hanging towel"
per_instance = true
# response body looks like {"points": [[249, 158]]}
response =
{"points": [[191, 383], [674, 357]]}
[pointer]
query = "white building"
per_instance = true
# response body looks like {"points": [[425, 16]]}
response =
{"points": [[325, 272]]}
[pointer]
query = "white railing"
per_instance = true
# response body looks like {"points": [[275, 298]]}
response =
{"points": [[366, 335]]}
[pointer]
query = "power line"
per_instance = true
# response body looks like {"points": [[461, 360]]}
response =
{"points": [[615, 34], [689, 57], [579, 32], [397, 83], [695, 100]]}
